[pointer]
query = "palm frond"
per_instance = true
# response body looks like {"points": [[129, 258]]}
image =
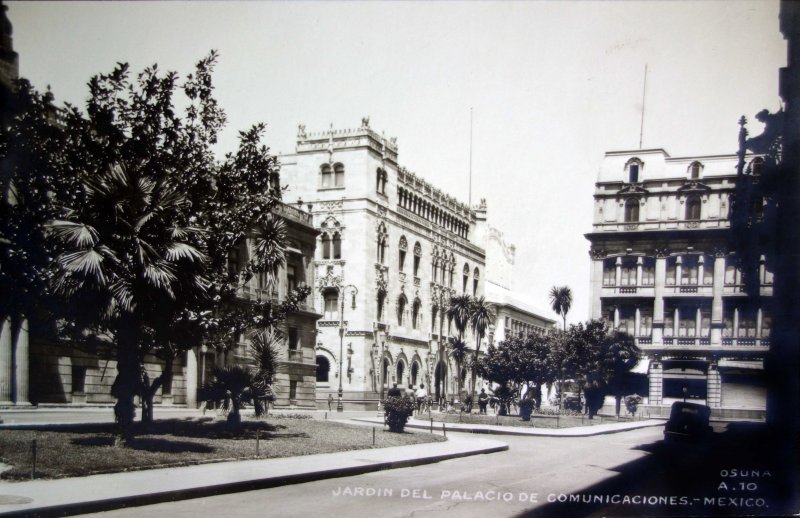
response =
{"points": [[85, 263], [74, 234], [184, 252]]}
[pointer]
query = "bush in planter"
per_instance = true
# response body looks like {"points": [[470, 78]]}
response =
{"points": [[397, 411], [526, 409]]}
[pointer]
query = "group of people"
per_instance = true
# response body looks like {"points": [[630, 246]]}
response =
{"points": [[419, 396]]}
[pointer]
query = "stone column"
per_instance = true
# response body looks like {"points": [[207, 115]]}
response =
{"points": [[713, 386], [697, 318], [678, 270], [735, 325], [22, 367], [637, 319], [676, 321], [618, 272], [658, 302], [639, 266], [6, 363], [616, 317], [716, 300], [191, 378], [655, 383], [597, 288]]}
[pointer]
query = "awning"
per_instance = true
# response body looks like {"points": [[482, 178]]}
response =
{"points": [[641, 367]]}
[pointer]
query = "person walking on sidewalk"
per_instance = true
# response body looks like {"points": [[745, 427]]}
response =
{"points": [[330, 401], [422, 396], [483, 400]]}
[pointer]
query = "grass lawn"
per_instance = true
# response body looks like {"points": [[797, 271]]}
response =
{"points": [[79, 450], [537, 421]]}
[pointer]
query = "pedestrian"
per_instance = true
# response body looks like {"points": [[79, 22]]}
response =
{"points": [[394, 392], [483, 400], [422, 395], [330, 401]]}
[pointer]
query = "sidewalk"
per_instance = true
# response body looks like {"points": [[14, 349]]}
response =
{"points": [[103, 492], [577, 431]]}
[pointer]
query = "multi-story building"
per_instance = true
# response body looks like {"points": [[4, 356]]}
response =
{"points": [[392, 250], [662, 270]]}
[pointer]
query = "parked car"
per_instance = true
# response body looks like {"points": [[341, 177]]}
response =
{"points": [[688, 421]]}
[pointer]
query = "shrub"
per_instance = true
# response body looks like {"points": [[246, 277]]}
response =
{"points": [[632, 403], [397, 411], [526, 407]]}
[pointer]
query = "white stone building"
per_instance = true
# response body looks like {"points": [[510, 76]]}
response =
{"points": [[662, 271], [392, 250]]}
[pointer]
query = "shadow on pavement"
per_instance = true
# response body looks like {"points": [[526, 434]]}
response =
{"points": [[740, 470]]}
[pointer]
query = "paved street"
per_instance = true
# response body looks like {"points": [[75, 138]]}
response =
{"points": [[507, 482]]}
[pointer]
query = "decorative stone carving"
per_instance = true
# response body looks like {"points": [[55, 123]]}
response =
{"points": [[301, 131], [329, 280], [597, 253], [662, 252], [720, 251], [365, 122]]}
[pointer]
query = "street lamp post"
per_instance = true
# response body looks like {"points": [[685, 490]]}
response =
{"points": [[339, 405]]}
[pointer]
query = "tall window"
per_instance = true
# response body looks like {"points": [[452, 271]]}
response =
{"points": [[434, 314], [648, 271], [401, 309], [475, 276], [291, 277], [338, 170], [326, 246], [415, 314], [381, 249], [414, 372], [633, 172], [609, 272], [337, 246], [327, 175], [380, 181], [381, 302], [403, 247], [693, 208], [687, 320], [331, 298], [694, 170], [708, 270], [756, 166], [632, 211], [628, 277], [294, 339], [401, 367], [417, 258], [672, 270], [451, 273], [466, 278], [689, 269]]}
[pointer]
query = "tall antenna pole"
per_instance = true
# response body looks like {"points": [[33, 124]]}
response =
{"points": [[644, 91], [469, 200]]}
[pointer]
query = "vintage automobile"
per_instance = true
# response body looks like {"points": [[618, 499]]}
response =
{"points": [[688, 421]]}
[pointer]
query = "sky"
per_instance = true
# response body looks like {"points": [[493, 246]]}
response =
{"points": [[552, 86]]}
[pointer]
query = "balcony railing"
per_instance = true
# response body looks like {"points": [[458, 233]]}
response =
{"points": [[295, 356]]}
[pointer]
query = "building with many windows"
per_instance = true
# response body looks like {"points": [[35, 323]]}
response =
{"points": [[392, 249], [662, 271]]}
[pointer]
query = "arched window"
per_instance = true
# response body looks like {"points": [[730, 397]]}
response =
{"points": [[401, 308], [632, 211], [323, 369], [414, 372], [331, 299], [401, 367], [633, 169], [417, 258], [338, 170], [380, 181], [434, 314], [465, 279], [337, 246], [327, 175], [475, 276], [403, 247], [694, 170], [693, 208], [415, 313], [326, 246]]}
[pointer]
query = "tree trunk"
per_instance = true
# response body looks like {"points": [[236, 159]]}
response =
{"points": [[149, 391], [618, 399], [475, 371], [127, 383], [234, 418]]}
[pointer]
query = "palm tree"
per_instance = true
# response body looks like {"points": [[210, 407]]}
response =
{"points": [[458, 351], [125, 256], [233, 385], [458, 312], [480, 318], [561, 301], [263, 349]]}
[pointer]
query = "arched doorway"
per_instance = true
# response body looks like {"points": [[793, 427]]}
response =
{"points": [[440, 378], [323, 369], [385, 377]]}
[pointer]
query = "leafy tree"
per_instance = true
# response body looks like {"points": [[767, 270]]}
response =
{"points": [[28, 179], [597, 358], [481, 317], [561, 301]]}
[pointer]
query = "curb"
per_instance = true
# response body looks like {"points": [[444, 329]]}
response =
{"points": [[530, 432], [108, 504]]}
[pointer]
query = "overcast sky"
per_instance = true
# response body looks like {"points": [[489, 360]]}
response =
{"points": [[552, 85]]}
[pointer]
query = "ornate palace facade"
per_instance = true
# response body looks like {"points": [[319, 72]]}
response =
{"points": [[663, 272], [392, 250]]}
